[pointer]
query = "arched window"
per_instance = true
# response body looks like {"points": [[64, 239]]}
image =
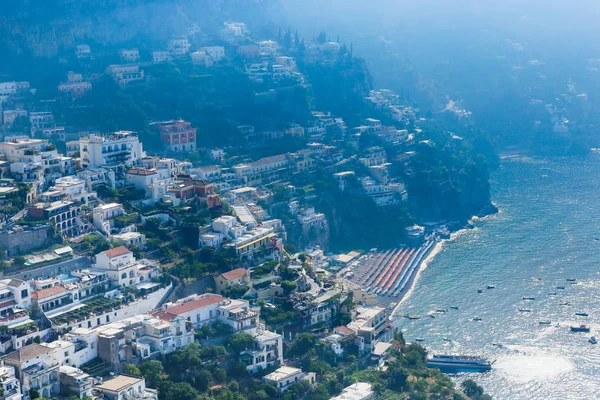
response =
{"points": [[123, 275]]}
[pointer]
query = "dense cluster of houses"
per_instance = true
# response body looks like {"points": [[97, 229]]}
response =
{"points": [[114, 311]]}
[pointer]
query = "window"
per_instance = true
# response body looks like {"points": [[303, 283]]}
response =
{"points": [[24, 293]]}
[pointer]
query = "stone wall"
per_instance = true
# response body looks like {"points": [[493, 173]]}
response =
{"points": [[48, 271], [16, 243]]}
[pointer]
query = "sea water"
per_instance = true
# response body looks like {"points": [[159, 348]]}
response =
{"points": [[547, 230]]}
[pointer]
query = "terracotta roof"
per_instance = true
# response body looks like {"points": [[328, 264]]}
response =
{"points": [[204, 301], [344, 330], [27, 353], [140, 171], [234, 274], [51, 291], [164, 315], [117, 251]]}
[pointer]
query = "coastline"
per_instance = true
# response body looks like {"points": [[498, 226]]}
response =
{"points": [[433, 252]]}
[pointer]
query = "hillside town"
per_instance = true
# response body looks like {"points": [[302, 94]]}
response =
{"points": [[115, 256]]}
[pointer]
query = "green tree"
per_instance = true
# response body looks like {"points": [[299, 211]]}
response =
{"points": [[179, 391], [397, 378], [133, 370], [319, 393], [288, 287], [472, 389], [19, 261], [240, 342], [220, 375], [153, 371], [203, 380], [302, 344]]}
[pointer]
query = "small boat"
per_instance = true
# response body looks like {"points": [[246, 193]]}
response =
{"points": [[419, 339], [528, 298], [454, 307], [565, 303], [411, 316], [479, 291], [477, 319], [441, 310], [597, 238], [582, 314], [580, 328], [491, 286], [593, 340], [524, 310], [447, 339], [571, 280], [498, 345], [546, 322], [552, 293], [560, 287]]}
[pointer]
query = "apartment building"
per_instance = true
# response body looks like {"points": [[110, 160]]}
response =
{"points": [[118, 148]]}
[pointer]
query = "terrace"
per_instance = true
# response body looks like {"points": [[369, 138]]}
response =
{"points": [[89, 308]]}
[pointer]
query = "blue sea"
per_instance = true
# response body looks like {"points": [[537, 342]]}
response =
{"points": [[545, 232]]}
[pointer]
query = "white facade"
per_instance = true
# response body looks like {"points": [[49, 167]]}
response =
{"points": [[122, 268], [179, 47], [267, 353], [11, 387], [129, 55], [104, 214], [284, 377], [117, 148], [160, 56], [356, 391], [125, 73], [215, 52]]}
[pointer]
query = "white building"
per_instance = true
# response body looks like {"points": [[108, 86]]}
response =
{"points": [[83, 51], [224, 224], [122, 267], [41, 120], [124, 74], [118, 148], [75, 86], [160, 56], [73, 187], [208, 172], [36, 368], [103, 216], [179, 47], [268, 47], [9, 117], [284, 377], [129, 55], [356, 391], [267, 353], [141, 178], [124, 387], [215, 52], [209, 308], [11, 387]]}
